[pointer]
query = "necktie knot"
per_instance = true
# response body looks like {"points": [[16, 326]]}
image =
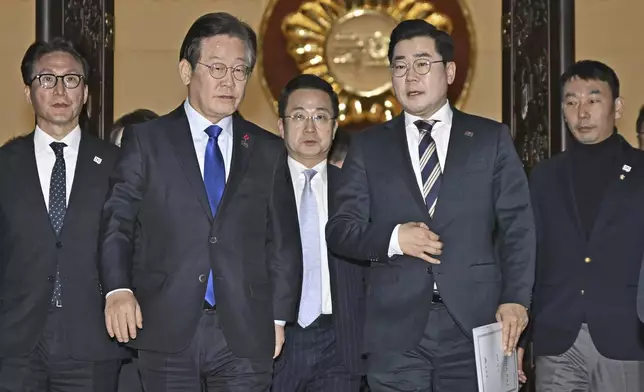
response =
{"points": [[309, 174], [58, 148], [213, 131], [425, 126]]}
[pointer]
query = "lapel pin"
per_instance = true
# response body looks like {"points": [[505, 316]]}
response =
{"points": [[98, 160], [469, 133], [621, 176], [245, 140], [626, 168]]}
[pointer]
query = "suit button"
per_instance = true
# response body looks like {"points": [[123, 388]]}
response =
{"points": [[582, 292], [213, 240], [587, 260], [203, 278], [59, 244], [429, 270]]}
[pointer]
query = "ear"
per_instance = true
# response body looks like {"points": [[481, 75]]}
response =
{"points": [[27, 91], [85, 94], [185, 72], [619, 107], [450, 68], [335, 129], [280, 126]]}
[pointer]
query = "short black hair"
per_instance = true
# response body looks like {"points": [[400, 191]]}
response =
{"points": [[640, 121], [217, 23], [340, 146], [40, 48], [306, 81], [591, 70], [135, 117], [413, 28]]}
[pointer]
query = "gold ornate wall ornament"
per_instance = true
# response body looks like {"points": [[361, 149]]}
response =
{"points": [[346, 44]]}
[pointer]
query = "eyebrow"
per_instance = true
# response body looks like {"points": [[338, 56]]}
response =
{"points": [[219, 58], [415, 55], [316, 109], [595, 92]]}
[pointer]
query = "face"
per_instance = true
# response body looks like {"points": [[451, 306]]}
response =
{"points": [[57, 109], [421, 95], [590, 110], [308, 141], [216, 98]]}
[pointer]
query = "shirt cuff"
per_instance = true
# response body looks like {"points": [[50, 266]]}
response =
{"points": [[280, 323], [394, 246], [115, 291]]}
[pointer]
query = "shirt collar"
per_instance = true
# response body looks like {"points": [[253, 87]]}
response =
{"points": [[199, 123], [443, 115], [42, 139], [297, 169]]}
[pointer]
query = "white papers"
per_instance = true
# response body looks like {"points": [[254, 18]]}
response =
{"points": [[495, 371]]}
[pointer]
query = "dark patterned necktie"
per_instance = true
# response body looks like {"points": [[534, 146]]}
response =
{"points": [[57, 208], [430, 168]]}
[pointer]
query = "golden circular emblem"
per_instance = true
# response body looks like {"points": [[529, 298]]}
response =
{"points": [[346, 44]]}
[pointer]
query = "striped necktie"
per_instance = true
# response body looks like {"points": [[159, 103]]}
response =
{"points": [[430, 168]]}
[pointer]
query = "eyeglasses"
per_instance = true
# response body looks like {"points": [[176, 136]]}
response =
{"points": [[219, 70], [48, 81], [319, 120], [400, 68]]}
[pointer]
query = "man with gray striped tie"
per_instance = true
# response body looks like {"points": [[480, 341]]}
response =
{"points": [[322, 350], [437, 201]]}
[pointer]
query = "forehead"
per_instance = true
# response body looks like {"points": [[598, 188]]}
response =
{"points": [[309, 99], [578, 86], [412, 47], [223, 47], [58, 61]]}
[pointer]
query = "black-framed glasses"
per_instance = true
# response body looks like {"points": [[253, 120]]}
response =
{"points": [[48, 80], [219, 70], [400, 68], [319, 120]]}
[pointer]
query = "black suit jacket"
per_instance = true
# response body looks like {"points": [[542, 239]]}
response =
{"points": [[348, 298], [252, 245], [484, 193], [30, 251], [588, 280]]}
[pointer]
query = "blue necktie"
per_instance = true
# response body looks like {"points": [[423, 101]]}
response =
{"points": [[311, 298], [214, 178], [57, 208], [430, 168]]}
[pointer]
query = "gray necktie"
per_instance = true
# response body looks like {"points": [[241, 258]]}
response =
{"points": [[311, 301]]}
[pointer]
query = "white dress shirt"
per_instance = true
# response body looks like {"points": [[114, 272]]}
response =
{"points": [[440, 134], [45, 159], [198, 125], [320, 187]]}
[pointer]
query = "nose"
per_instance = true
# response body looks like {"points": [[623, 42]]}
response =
{"points": [[583, 111], [59, 88]]}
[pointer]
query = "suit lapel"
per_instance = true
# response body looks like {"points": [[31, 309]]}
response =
{"points": [[618, 188], [407, 172], [458, 151], [178, 132], [242, 147], [24, 166], [83, 175]]}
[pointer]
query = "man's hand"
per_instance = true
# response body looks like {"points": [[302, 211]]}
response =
{"points": [[122, 316], [279, 340], [417, 240], [522, 376], [514, 318]]}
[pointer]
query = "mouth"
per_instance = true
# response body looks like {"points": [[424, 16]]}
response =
{"points": [[310, 142], [414, 93], [226, 97], [60, 105], [585, 128]]}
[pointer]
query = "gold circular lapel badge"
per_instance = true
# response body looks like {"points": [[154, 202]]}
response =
{"points": [[346, 44]]}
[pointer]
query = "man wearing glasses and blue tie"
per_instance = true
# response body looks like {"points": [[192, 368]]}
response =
{"points": [[215, 271]]}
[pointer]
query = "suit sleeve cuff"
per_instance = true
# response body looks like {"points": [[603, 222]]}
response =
{"points": [[280, 323], [394, 246], [117, 290]]}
